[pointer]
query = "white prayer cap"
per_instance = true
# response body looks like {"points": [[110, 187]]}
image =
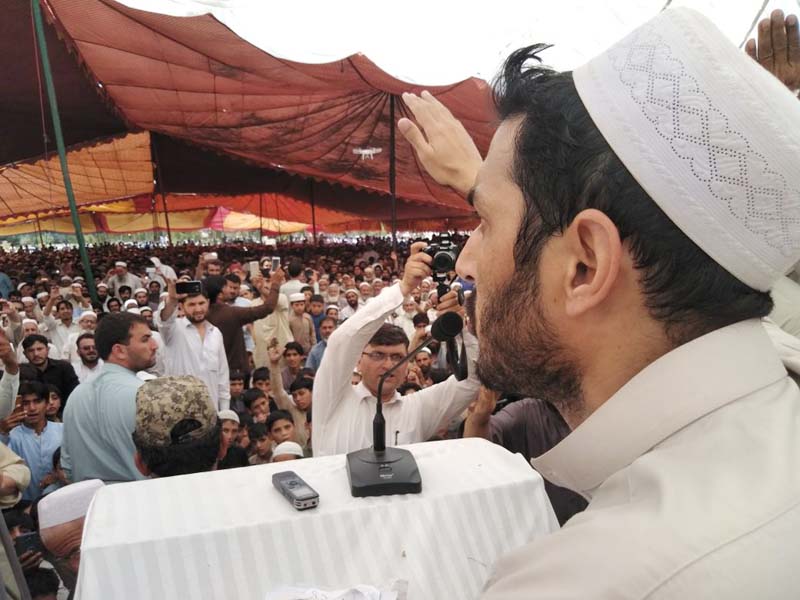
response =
{"points": [[121, 263], [164, 295], [351, 291], [244, 287], [130, 302], [364, 284], [288, 448], [31, 321], [78, 278], [427, 350], [68, 503], [330, 306], [710, 135], [134, 310], [139, 291], [145, 308], [102, 285], [228, 415], [27, 299], [22, 285], [41, 295], [297, 297], [88, 313]]}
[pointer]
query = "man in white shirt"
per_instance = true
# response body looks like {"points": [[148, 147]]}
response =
{"points": [[343, 412], [121, 277], [89, 363], [295, 282], [87, 323], [622, 270], [58, 329], [194, 346], [351, 304]]}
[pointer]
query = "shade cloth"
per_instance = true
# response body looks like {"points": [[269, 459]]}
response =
{"points": [[230, 534]]}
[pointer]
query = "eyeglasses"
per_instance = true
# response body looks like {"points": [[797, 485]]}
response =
{"points": [[380, 357]]}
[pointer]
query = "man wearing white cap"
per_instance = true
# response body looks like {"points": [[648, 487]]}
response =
{"points": [[351, 298], [87, 323], [142, 297], [120, 277], [61, 519], [634, 216]]}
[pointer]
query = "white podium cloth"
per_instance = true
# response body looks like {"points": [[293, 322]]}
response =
{"points": [[230, 534]]}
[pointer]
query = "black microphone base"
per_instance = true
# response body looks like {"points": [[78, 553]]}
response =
{"points": [[391, 471]]}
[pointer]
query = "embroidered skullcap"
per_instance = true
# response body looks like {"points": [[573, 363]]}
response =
{"points": [[87, 313], [41, 295], [710, 135], [121, 263], [26, 299], [292, 448], [297, 297], [139, 291], [228, 415]]}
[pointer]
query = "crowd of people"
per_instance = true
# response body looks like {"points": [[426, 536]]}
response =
{"points": [[621, 295]]}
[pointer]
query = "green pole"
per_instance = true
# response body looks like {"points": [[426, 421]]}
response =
{"points": [[62, 153]]}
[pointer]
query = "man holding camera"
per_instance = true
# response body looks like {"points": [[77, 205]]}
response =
{"points": [[343, 412]]}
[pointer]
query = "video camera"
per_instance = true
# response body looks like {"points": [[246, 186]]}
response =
{"points": [[444, 252]]}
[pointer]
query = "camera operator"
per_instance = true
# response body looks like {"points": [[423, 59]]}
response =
{"points": [[343, 412]]}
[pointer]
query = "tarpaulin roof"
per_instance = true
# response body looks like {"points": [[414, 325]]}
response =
{"points": [[193, 79]]}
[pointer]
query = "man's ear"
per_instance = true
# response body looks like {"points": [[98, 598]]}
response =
{"points": [[594, 255], [140, 466]]}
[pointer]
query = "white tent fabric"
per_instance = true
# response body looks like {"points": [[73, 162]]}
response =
{"points": [[445, 41]]}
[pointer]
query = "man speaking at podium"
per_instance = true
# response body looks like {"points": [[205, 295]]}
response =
{"points": [[343, 412]]}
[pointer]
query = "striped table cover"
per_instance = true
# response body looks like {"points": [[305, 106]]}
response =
{"points": [[230, 534]]}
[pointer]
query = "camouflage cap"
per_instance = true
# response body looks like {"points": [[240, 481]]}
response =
{"points": [[173, 410]]}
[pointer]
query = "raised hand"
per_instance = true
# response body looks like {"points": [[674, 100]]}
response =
{"points": [[417, 268], [778, 48], [441, 142]]}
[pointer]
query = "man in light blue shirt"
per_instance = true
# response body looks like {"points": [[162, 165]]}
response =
{"points": [[326, 328], [36, 439], [100, 417], [6, 287]]}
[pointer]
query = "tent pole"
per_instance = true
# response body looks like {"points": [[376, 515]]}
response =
{"points": [[392, 171], [62, 154], [313, 210], [39, 229], [260, 218], [160, 182]]}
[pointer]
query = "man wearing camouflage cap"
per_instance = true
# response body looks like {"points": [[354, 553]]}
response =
{"points": [[177, 430]]}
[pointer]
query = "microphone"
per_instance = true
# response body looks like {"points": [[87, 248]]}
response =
{"points": [[382, 471]]}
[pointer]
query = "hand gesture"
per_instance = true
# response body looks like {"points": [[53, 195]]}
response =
{"points": [[12, 420], [449, 303], [274, 353], [277, 278], [30, 560], [413, 375], [7, 354], [441, 142], [417, 268], [173, 295], [778, 49], [484, 406]]}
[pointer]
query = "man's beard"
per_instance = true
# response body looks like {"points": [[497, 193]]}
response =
{"points": [[519, 351], [195, 320]]}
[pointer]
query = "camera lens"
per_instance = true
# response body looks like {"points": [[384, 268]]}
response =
{"points": [[444, 261]]}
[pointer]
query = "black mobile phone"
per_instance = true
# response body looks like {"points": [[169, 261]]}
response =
{"points": [[189, 287], [295, 490], [28, 542]]}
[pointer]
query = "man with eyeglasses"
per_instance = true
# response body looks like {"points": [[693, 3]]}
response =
{"points": [[343, 412]]}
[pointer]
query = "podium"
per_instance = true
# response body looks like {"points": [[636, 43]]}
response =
{"points": [[230, 534]]}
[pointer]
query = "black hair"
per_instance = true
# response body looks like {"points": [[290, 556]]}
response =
{"points": [[233, 278], [122, 288], [251, 395], [257, 431], [331, 319], [18, 518], [213, 285], [295, 267], [301, 383], [41, 582], [237, 375], [117, 300], [52, 389], [62, 303], [317, 298], [293, 346], [306, 288], [389, 335], [83, 336], [564, 165], [260, 374], [115, 328], [408, 385], [278, 415], [195, 456], [420, 319], [56, 458], [33, 388], [33, 339]]}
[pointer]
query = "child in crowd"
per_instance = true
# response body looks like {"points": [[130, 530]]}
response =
{"points": [[287, 451], [256, 404], [53, 403], [263, 444], [280, 426]]}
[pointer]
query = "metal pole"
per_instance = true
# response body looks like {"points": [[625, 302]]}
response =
{"points": [[39, 229], [313, 211], [62, 153], [160, 183], [260, 218], [392, 173]]}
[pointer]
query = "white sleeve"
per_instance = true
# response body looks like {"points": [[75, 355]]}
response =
{"points": [[167, 328], [344, 349], [224, 393], [9, 385]]}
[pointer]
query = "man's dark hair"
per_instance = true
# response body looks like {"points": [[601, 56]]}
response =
{"points": [[115, 301], [389, 335], [278, 415], [32, 339], [115, 328], [295, 268], [251, 395], [233, 278], [53, 389], [302, 383], [41, 582], [33, 388], [213, 285], [420, 319], [317, 298], [257, 431], [331, 319], [260, 374], [83, 336], [122, 288], [564, 165], [408, 385], [293, 346], [306, 288], [61, 303], [196, 456], [236, 376]]}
